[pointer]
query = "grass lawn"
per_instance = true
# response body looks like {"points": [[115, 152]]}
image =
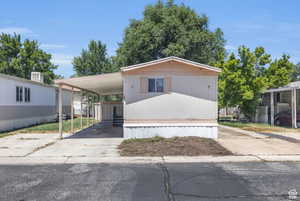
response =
{"points": [[49, 127], [177, 146], [258, 127]]}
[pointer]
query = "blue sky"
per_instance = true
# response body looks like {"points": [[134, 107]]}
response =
{"points": [[64, 27]]}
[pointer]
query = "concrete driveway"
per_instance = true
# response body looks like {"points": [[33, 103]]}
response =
{"points": [[21, 145], [90, 142], [249, 143], [97, 144]]}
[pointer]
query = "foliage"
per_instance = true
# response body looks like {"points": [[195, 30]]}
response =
{"points": [[295, 76], [166, 30], [245, 77], [19, 58], [257, 127], [279, 72], [242, 81], [93, 61], [51, 127]]}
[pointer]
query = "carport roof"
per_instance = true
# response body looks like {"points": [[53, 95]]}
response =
{"points": [[103, 84]]}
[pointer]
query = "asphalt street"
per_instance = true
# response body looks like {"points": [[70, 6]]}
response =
{"points": [[150, 182]]}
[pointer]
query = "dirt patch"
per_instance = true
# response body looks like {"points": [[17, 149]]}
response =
{"points": [[177, 146]]}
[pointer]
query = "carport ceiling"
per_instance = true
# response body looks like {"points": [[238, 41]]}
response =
{"points": [[104, 84]]}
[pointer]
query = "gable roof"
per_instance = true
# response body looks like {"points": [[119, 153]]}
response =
{"points": [[24, 80], [172, 58]]}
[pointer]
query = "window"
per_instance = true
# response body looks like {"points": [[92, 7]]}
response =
{"points": [[156, 85], [27, 94], [278, 97], [19, 94]]}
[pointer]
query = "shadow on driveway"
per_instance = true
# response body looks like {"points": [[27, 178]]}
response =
{"points": [[98, 131]]}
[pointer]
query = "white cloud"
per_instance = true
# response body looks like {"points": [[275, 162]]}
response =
{"points": [[230, 47], [62, 59], [17, 30], [52, 46]]}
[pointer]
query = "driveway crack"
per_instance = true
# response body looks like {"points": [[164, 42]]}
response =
{"points": [[39, 148]]}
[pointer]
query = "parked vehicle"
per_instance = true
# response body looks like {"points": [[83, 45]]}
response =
{"points": [[284, 118]]}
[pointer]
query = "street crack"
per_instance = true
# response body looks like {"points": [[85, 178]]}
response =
{"points": [[167, 183]]}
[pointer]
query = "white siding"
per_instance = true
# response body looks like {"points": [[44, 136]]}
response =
{"points": [[191, 97], [40, 95]]}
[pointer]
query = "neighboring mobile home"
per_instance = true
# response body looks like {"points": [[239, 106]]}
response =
{"points": [[280, 106], [166, 97], [28, 102]]}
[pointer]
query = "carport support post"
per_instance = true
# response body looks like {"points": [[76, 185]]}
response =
{"points": [[294, 108], [88, 111], [81, 99], [272, 107], [60, 112], [72, 111]]}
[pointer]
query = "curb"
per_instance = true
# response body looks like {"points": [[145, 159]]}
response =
{"points": [[147, 160]]}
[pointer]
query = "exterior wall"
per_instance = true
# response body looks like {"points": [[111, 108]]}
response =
{"points": [[13, 114], [192, 97], [77, 104], [104, 111], [107, 110], [67, 95], [40, 95], [171, 131], [43, 105], [261, 115]]}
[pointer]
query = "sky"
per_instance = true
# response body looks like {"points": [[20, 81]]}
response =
{"points": [[64, 27]]}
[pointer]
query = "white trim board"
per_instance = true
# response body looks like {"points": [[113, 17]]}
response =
{"points": [[170, 124]]}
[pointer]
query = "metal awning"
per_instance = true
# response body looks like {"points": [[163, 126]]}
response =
{"points": [[288, 87], [104, 84]]}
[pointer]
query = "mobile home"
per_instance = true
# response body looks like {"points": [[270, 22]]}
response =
{"points": [[28, 102], [166, 97]]}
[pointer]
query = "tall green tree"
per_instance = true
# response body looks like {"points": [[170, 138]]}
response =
{"points": [[242, 81], [166, 30], [295, 76], [280, 71], [93, 61], [19, 58], [247, 75]]}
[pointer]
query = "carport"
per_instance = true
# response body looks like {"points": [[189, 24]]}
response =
{"points": [[94, 86], [276, 94]]}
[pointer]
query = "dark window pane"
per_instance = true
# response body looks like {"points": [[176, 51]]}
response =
{"points": [[151, 85], [160, 85], [21, 94], [17, 94], [25, 89], [28, 94]]}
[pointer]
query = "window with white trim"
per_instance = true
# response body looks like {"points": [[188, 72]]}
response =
{"points": [[19, 94], [155, 85], [27, 94]]}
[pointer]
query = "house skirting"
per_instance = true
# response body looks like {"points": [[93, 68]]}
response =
{"points": [[206, 130], [7, 125]]}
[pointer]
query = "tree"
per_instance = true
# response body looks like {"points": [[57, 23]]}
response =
{"points": [[295, 76], [242, 81], [166, 30], [279, 73], [19, 58], [93, 61]]}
